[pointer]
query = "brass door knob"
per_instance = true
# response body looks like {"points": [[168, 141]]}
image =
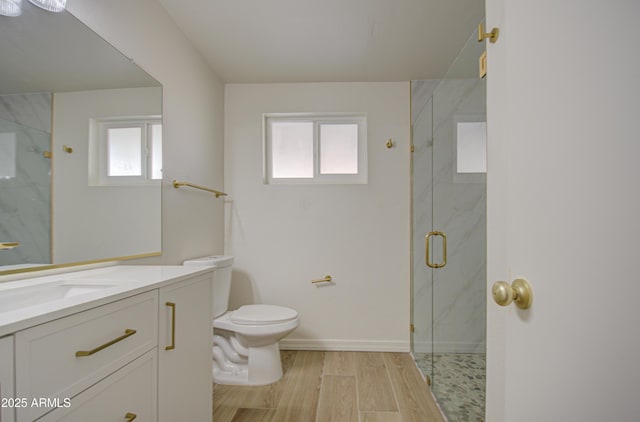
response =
{"points": [[519, 292]]}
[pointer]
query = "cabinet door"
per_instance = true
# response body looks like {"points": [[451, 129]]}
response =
{"points": [[7, 412], [185, 351]]}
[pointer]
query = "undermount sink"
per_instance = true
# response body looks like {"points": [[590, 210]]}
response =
{"points": [[11, 299]]}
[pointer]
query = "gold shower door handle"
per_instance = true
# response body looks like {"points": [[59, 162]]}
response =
{"points": [[444, 249]]}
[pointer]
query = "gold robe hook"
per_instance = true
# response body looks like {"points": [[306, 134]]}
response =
{"points": [[493, 35]]}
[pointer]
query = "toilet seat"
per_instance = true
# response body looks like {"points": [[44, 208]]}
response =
{"points": [[262, 315], [256, 326]]}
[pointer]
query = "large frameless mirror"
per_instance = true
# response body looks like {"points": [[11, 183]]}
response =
{"points": [[80, 146]]}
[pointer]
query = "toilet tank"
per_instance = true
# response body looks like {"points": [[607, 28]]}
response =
{"points": [[221, 280]]}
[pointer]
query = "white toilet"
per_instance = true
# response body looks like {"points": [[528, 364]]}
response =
{"points": [[245, 341]]}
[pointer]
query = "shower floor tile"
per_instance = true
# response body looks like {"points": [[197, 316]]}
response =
{"points": [[458, 383]]}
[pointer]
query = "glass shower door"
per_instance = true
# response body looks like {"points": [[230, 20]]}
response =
{"points": [[421, 211], [458, 249]]}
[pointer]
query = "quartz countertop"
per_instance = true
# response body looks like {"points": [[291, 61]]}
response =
{"points": [[102, 285]]}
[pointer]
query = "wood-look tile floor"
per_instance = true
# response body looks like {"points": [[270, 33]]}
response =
{"points": [[333, 386]]}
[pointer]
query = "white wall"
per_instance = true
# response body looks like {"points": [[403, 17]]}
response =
{"points": [[193, 99], [95, 222], [284, 236]]}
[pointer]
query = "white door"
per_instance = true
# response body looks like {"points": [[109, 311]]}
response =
{"points": [[564, 210]]}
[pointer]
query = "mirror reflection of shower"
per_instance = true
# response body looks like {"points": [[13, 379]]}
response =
{"points": [[25, 177]]}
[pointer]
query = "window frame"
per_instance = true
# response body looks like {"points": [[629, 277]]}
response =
{"points": [[318, 119], [99, 153]]}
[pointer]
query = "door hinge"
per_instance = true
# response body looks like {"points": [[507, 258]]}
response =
{"points": [[482, 65], [412, 328]]}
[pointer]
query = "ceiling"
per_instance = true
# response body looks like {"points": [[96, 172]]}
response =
{"points": [[259, 41]]}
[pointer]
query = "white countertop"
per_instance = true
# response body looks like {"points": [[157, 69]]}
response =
{"points": [[119, 281]]}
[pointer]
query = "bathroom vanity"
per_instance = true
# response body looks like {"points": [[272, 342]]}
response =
{"points": [[115, 343]]}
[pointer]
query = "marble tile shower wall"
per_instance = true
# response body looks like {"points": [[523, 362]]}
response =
{"points": [[454, 319], [25, 214]]}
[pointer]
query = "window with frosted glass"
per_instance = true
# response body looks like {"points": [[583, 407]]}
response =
{"points": [[338, 148], [156, 151], [292, 149], [125, 151], [471, 147], [315, 148]]}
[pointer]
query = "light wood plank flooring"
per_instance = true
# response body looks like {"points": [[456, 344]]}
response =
{"points": [[333, 386]]}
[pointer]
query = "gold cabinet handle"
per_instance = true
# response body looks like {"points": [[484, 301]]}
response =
{"points": [[519, 292], [127, 333], [326, 279], [173, 326], [9, 245], [130, 416], [444, 249]]}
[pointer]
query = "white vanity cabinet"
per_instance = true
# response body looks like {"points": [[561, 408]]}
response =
{"points": [[7, 413], [140, 352], [61, 358], [185, 349]]}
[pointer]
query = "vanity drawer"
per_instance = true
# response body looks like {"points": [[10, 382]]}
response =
{"points": [[61, 358], [128, 394]]}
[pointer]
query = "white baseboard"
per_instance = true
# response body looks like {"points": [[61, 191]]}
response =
{"points": [[328, 345]]}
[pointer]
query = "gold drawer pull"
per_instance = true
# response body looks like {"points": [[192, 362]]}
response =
{"points": [[173, 326], [130, 416], [127, 333]]}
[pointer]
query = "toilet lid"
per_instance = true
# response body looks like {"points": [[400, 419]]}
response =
{"points": [[262, 314]]}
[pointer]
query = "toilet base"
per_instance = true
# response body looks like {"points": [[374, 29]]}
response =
{"points": [[260, 366]]}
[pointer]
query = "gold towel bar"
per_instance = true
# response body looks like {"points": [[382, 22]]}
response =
{"points": [[177, 184]]}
